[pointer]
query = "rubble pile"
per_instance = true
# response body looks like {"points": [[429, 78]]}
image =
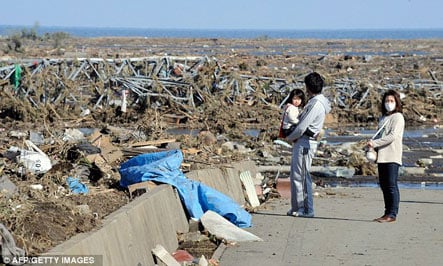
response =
{"points": [[181, 87]]}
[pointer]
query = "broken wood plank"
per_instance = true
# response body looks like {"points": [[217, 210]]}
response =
{"points": [[252, 197], [152, 142], [146, 186], [191, 151], [160, 252]]}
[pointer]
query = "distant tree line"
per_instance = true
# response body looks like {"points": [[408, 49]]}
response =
{"points": [[17, 40]]}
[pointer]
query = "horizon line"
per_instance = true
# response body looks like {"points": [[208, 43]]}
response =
{"points": [[224, 29]]}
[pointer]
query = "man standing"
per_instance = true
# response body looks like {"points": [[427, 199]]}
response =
{"points": [[304, 146]]}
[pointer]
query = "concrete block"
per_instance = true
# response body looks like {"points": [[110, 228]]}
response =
{"points": [[246, 166], [227, 183], [130, 233], [234, 184], [212, 177]]}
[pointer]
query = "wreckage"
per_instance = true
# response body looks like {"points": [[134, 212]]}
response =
{"points": [[88, 84]]}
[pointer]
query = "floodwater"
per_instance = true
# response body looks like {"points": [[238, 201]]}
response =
{"points": [[424, 136], [420, 142], [401, 185]]}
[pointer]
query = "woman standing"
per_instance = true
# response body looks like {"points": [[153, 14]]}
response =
{"points": [[389, 145]]}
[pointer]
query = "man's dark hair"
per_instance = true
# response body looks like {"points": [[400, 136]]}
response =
{"points": [[314, 83]]}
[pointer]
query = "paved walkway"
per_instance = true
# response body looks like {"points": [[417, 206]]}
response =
{"points": [[343, 233]]}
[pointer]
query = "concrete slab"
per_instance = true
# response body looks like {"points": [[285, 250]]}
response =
{"points": [[129, 234], [226, 180]]}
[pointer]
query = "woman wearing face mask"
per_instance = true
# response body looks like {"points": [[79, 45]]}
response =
{"points": [[389, 145]]}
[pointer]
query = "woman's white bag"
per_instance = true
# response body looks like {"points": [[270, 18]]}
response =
{"points": [[371, 155]]}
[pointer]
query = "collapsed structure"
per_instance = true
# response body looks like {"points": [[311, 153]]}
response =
{"points": [[85, 84]]}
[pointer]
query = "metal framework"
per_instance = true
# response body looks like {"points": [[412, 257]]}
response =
{"points": [[187, 81]]}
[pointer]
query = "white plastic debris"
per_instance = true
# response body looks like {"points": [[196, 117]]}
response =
{"points": [[73, 134], [220, 227], [33, 159], [282, 143], [36, 186]]}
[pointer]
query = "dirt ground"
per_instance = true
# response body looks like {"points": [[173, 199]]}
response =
{"points": [[41, 218]]}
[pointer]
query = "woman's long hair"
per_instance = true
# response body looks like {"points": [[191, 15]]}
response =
{"points": [[398, 105]]}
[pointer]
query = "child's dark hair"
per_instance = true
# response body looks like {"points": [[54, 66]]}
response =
{"points": [[297, 93]]}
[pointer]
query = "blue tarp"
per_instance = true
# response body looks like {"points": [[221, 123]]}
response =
{"points": [[198, 198], [76, 186]]}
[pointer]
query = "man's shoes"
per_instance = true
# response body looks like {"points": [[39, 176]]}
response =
{"points": [[291, 213], [306, 215], [299, 214]]}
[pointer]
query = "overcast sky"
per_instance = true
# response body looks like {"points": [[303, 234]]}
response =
{"points": [[226, 14]]}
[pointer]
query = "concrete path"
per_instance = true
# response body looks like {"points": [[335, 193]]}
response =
{"points": [[343, 233]]}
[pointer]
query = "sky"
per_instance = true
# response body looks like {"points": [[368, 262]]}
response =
{"points": [[226, 14]]}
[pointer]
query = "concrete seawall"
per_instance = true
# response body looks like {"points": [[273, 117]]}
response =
{"points": [[129, 234]]}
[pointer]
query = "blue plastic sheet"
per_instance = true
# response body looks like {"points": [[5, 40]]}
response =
{"points": [[198, 198], [76, 186]]}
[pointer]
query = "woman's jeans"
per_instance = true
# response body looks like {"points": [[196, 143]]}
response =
{"points": [[388, 176]]}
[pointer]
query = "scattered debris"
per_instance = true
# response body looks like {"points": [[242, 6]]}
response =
{"points": [[222, 228], [249, 186], [160, 252]]}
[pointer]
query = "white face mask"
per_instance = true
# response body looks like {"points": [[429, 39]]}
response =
{"points": [[390, 107]]}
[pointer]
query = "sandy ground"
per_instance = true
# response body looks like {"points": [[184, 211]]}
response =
{"points": [[343, 233]]}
